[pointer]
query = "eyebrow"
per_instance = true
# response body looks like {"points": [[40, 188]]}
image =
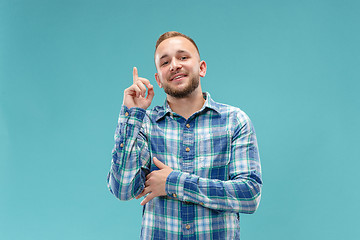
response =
{"points": [[179, 51]]}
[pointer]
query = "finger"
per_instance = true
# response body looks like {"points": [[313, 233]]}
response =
{"points": [[135, 74], [143, 193], [150, 87], [158, 163], [140, 195], [144, 81], [133, 90], [151, 94], [148, 177], [148, 198], [147, 182], [142, 87]]}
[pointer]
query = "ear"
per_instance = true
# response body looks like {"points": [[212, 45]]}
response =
{"points": [[158, 80], [202, 72]]}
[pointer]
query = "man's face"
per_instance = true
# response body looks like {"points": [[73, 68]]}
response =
{"points": [[179, 67]]}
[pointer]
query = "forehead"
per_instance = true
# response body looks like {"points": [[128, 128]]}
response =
{"points": [[174, 45]]}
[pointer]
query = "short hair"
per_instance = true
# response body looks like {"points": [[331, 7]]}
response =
{"points": [[172, 34]]}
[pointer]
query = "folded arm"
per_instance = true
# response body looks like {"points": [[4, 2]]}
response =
{"points": [[130, 155], [240, 193]]}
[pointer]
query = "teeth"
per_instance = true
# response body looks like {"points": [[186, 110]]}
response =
{"points": [[178, 76]]}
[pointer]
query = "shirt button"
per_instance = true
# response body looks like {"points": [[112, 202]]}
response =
{"points": [[174, 195], [187, 226], [126, 114], [121, 145], [188, 125], [202, 204], [187, 149]]}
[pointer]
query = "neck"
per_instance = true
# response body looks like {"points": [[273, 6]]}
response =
{"points": [[188, 105]]}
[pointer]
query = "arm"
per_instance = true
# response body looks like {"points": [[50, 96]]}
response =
{"points": [[241, 193], [130, 155]]}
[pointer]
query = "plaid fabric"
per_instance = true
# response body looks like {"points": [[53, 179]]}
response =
{"points": [[216, 165]]}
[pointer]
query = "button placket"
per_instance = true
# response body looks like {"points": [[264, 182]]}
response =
{"points": [[188, 142]]}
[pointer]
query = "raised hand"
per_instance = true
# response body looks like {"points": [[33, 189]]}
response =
{"points": [[155, 182], [135, 95]]}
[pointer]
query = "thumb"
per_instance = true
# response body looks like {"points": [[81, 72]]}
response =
{"points": [[159, 164]]}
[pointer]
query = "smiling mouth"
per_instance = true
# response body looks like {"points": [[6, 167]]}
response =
{"points": [[178, 77]]}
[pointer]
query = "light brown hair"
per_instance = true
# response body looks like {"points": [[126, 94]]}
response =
{"points": [[172, 34]]}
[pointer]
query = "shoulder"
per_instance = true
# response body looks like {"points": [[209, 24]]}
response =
{"points": [[232, 113], [228, 112], [238, 121]]}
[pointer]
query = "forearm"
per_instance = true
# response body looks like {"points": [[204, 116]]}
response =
{"points": [[130, 155], [237, 195]]}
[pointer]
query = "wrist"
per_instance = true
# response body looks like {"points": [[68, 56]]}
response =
{"points": [[132, 115], [175, 184]]}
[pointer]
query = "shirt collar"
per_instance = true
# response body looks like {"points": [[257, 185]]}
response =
{"points": [[209, 104]]}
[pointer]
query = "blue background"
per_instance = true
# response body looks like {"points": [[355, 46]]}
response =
{"points": [[293, 66]]}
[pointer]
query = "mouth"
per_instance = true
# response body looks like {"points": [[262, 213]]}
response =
{"points": [[178, 76]]}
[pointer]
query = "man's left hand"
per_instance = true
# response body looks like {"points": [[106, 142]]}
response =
{"points": [[155, 182]]}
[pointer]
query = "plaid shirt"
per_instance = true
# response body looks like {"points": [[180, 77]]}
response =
{"points": [[217, 174]]}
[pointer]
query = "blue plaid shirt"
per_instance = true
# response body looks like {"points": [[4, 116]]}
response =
{"points": [[217, 173]]}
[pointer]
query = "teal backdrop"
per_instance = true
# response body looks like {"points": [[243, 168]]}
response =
{"points": [[292, 66]]}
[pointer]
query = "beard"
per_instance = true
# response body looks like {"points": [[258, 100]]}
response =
{"points": [[181, 93]]}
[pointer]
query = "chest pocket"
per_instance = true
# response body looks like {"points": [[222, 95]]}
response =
{"points": [[213, 150]]}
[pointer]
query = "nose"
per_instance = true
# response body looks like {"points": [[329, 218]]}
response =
{"points": [[175, 65]]}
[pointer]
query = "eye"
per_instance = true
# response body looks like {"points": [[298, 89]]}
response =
{"points": [[184, 58], [164, 63]]}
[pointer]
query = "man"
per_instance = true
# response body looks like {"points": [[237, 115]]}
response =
{"points": [[194, 160]]}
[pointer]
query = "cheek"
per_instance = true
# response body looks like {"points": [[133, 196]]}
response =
{"points": [[164, 74], [196, 70], [161, 78]]}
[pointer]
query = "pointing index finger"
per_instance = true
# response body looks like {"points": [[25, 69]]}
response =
{"points": [[135, 74]]}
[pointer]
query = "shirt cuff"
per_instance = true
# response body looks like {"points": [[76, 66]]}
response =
{"points": [[132, 115], [175, 184]]}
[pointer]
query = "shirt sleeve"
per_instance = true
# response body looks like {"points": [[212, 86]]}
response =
{"points": [[241, 193], [130, 155]]}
